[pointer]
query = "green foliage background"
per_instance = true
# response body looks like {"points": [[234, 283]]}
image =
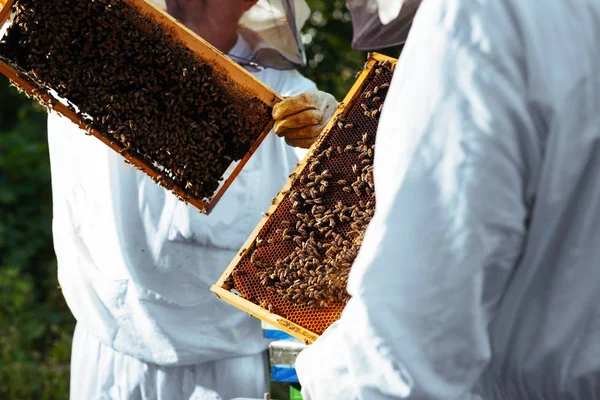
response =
{"points": [[35, 324]]}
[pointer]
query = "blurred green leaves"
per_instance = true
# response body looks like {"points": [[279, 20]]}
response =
{"points": [[35, 324]]}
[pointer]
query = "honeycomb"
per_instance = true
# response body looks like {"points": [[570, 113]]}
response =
{"points": [[317, 295], [136, 83]]}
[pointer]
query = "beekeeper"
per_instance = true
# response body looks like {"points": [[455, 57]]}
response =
{"points": [[135, 264], [478, 276]]}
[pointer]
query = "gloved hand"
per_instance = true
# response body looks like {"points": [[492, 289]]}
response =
{"points": [[300, 119]]}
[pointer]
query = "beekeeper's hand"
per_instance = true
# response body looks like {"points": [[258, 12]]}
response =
{"points": [[300, 119]]}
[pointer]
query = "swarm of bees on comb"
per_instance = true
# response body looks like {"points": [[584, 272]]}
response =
{"points": [[301, 258], [132, 80]]}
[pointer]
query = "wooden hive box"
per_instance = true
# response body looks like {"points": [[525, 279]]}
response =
{"points": [[292, 270], [246, 99]]}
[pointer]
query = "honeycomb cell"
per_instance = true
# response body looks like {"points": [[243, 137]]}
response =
{"points": [[310, 291]]}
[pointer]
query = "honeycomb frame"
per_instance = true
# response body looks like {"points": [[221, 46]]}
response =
{"points": [[238, 75], [293, 325]]}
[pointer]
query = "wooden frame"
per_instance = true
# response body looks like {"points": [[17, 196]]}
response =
{"points": [[5, 9], [200, 47], [247, 306]]}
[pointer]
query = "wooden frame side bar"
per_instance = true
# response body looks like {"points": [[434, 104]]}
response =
{"points": [[5, 10], [217, 196], [285, 325]]}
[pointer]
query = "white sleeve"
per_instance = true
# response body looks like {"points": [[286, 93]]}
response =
{"points": [[456, 159], [293, 83]]}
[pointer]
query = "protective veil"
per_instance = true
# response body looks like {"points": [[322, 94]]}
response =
{"points": [[135, 265], [272, 29], [370, 32], [478, 276]]}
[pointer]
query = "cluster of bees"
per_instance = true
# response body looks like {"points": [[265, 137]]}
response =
{"points": [[134, 82], [303, 254]]}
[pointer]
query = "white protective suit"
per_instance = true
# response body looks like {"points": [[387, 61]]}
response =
{"points": [[479, 274], [136, 264]]}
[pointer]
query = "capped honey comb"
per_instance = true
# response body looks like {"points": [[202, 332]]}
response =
{"points": [[146, 86], [292, 271]]}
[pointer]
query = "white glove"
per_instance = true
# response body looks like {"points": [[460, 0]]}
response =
{"points": [[300, 119]]}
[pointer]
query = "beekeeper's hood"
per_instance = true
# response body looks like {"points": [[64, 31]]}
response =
{"points": [[381, 23], [272, 29]]}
